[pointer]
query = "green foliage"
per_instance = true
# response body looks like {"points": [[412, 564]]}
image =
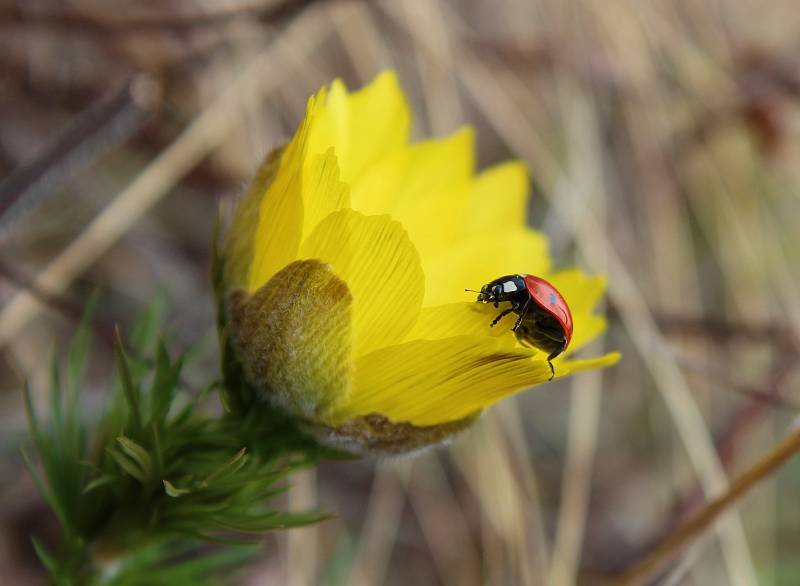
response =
{"points": [[173, 564], [161, 469]]}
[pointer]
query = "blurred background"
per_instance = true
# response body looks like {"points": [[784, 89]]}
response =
{"points": [[663, 139]]}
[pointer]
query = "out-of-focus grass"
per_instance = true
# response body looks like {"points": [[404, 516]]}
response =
{"points": [[662, 141]]}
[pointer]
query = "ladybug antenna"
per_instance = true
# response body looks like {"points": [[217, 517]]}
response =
{"points": [[472, 290]]}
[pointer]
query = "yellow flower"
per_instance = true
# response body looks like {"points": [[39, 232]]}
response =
{"points": [[344, 272]]}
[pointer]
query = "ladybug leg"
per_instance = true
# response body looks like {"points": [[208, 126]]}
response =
{"points": [[503, 313], [550, 362], [521, 315]]}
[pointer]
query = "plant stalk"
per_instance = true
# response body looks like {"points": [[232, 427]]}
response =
{"points": [[656, 561]]}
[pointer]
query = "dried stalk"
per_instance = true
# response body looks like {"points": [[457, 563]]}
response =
{"points": [[695, 527]]}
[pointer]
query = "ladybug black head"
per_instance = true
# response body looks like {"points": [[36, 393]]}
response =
{"points": [[491, 292], [508, 288]]}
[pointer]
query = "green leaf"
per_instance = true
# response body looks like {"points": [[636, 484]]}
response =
{"points": [[98, 482], [139, 455], [55, 392], [178, 564], [112, 495], [33, 420], [128, 466], [165, 383], [157, 453], [148, 325], [186, 412], [230, 467], [78, 350], [44, 556], [46, 490], [171, 490], [131, 392]]}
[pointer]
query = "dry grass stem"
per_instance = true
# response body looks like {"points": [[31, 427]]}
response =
{"points": [[204, 134], [382, 521], [715, 511], [302, 544]]}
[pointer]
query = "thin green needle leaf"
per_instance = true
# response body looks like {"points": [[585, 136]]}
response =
{"points": [[47, 491], [97, 483], [33, 420], [79, 348], [44, 556], [139, 455], [172, 491], [231, 466], [129, 466], [165, 383], [55, 392], [157, 453], [131, 393]]}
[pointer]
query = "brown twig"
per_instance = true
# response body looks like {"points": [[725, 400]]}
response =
{"points": [[722, 329], [203, 135], [657, 560], [766, 393], [93, 132], [86, 23], [20, 279]]}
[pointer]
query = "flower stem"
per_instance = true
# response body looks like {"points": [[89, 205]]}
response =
{"points": [[653, 563]]}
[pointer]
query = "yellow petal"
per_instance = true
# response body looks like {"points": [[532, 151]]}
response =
{"points": [[582, 293], [240, 239], [363, 127], [580, 290], [586, 327], [429, 382], [474, 262], [574, 366], [497, 200], [424, 187], [323, 193], [381, 267], [468, 318], [280, 215]]}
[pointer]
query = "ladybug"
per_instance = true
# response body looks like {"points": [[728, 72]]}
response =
{"points": [[544, 320]]}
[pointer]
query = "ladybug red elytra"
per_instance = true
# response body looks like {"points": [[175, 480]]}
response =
{"points": [[544, 320]]}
